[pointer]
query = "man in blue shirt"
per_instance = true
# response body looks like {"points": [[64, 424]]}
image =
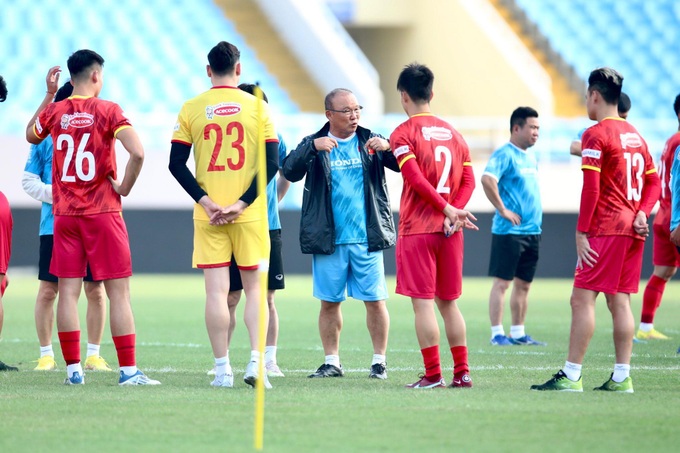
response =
{"points": [[346, 223], [510, 182], [37, 182]]}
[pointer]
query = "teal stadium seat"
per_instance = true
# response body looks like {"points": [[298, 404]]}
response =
{"points": [[155, 50], [637, 37]]}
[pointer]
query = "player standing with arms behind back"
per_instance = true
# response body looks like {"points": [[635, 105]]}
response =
{"points": [[620, 188], [222, 126], [435, 164], [88, 221]]}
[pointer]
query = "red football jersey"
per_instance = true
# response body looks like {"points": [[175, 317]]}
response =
{"points": [[663, 215], [84, 132], [614, 148], [441, 153]]}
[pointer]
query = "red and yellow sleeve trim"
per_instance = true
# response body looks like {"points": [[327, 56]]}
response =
{"points": [[406, 159], [590, 167], [272, 140], [181, 142], [467, 164], [650, 171], [125, 126]]}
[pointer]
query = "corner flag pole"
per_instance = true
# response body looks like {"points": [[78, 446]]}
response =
{"points": [[263, 270]]}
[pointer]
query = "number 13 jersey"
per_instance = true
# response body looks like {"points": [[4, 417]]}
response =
{"points": [[441, 153], [614, 148], [222, 126], [84, 132]]}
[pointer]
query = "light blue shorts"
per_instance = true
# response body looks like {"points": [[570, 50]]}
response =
{"points": [[353, 270]]}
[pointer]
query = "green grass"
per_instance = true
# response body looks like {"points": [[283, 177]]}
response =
{"points": [[354, 413]]}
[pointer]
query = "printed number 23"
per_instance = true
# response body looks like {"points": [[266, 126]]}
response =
{"points": [[635, 165], [237, 144]]}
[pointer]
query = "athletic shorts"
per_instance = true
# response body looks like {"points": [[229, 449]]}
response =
{"points": [[46, 245], [214, 245], [276, 278], [351, 269], [430, 265], [5, 233], [514, 255], [100, 240], [618, 265], [664, 251]]}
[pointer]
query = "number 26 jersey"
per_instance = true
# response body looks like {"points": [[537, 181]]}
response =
{"points": [[84, 132], [615, 149]]}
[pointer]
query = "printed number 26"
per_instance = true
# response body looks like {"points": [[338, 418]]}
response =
{"points": [[237, 144], [65, 143]]}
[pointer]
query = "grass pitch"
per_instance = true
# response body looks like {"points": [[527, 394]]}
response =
{"points": [[352, 413]]}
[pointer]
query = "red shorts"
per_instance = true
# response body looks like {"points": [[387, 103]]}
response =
{"points": [[665, 252], [5, 233], [430, 265], [100, 240], [618, 265]]}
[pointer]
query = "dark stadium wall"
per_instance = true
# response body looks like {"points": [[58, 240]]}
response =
{"points": [[162, 240]]}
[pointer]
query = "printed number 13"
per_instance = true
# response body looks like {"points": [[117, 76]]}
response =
{"points": [[635, 165], [237, 144]]}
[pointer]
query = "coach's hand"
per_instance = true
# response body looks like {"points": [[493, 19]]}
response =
{"points": [[584, 254], [511, 216], [325, 144]]}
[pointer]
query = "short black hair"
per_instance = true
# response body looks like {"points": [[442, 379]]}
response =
{"points": [[328, 100], [416, 80], [520, 115], [64, 92], [676, 105], [82, 60], [624, 103], [3, 89], [223, 58], [607, 82], [250, 88]]}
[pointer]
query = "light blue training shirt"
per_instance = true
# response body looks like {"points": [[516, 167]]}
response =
{"points": [[516, 172]]}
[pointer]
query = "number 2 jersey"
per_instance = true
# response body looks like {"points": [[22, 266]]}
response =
{"points": [[83, 130], [441, 153], [222, 126], [614, 148]]}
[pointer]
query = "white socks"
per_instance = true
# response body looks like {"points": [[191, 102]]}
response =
{"points": [[517, 332], [333, 360], [222, 366], [378, 358], [71, 369], [270, 354], [497, 330], [621, 372], [646, 326], [46, 350], [92, 349], [572, 370]]}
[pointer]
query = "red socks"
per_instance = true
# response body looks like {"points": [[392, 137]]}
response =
{"points": [[125, 348], [70, 346], [460, 360], [433, 369], [652, 298]]}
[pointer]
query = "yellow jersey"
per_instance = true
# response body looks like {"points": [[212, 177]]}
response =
{"points": [[221, 125]]}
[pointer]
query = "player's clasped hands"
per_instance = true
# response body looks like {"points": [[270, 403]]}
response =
{"points": [[325, 144], [457, 219]]}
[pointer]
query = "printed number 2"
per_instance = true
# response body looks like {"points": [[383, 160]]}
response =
{"points": [[635, 165], [237, 144], [445, 153], [82, 155]]}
